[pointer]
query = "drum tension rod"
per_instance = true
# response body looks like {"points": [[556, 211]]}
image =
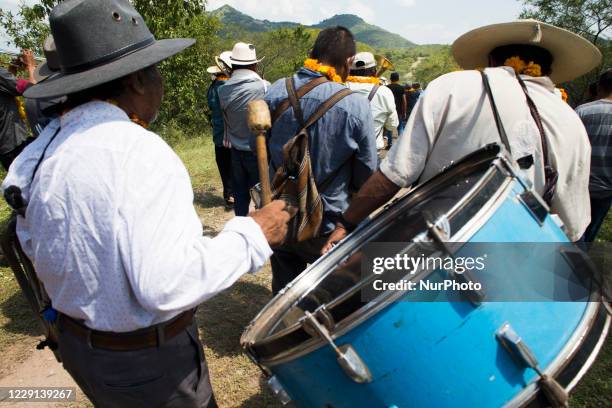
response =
{"points": [[348, 359], [522, 354], [439, 235]]}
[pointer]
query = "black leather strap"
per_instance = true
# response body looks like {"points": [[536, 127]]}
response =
{"points": [[498, 122]]}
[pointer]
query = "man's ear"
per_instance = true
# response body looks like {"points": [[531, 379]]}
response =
{"points": [[137, 82]]}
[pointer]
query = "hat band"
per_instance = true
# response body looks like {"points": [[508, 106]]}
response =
{"points": [[241, 60], [109, 57]]}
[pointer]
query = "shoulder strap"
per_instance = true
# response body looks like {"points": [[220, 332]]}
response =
{"points": [[373, 92], [325, 106], [498, 122], [294, 100], [285, 104], [321, 110], [535, 114]]}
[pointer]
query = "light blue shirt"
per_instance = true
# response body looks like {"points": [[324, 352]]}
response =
{"points": [[342, 142], [244, 86]]}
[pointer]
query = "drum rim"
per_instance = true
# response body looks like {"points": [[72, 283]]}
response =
{"points": [[498, 164], [567, 354]]}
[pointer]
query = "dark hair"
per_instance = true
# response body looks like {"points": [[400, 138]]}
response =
{"points": [[394, 77], [252, 67], [416, 85], [109, 90], [334, 45], [528, 53], [605, 83], [364, 71]]}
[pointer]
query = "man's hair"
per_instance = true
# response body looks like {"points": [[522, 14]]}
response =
{"points": [[364, 71], [416, 85], [394, 77], [252, 67], [527, 53], [605, 83], [109, 90], [334, 45]]}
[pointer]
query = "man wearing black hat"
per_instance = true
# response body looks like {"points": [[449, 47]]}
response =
{"points": [[107, 218]]}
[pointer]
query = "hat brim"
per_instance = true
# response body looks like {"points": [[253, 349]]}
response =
{"points": [[573, 55], [43, 71], [213, 70], [66, 84], [245, 63]]}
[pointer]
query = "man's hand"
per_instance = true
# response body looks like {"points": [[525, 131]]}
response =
{"points": [[273, 221], [336, 236], [28, 58]]}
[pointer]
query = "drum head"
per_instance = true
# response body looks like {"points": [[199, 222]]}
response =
{"points": [[330, 286]]}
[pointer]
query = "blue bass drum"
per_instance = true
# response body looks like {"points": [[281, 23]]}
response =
{"points": [[322, 345]]}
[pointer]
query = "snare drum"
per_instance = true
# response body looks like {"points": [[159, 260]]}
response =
{"points": [[323, 345]]}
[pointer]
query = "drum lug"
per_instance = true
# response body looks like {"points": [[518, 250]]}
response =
{"points": [[516, 347], [440, 233], [352, 365], [277, 389], [536, 206]]}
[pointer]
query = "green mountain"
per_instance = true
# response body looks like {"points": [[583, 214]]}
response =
{"points": [[234, 19], [368, 34]]}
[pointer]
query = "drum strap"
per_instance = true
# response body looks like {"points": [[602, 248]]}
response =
{"points": [[498, 122], [550, 173]]}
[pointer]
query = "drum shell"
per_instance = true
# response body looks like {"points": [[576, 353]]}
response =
{"points": [[443, 353]]}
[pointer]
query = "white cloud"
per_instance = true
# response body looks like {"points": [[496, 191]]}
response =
{"points": [[406, 3], [433, 33]]}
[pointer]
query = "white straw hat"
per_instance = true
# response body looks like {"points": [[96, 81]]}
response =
{"points": [[244, 54], [573, 55]]}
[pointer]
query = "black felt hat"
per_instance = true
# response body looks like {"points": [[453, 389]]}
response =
{"points": [[98, 41]]}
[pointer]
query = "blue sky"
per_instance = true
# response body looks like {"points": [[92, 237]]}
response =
{"points": [[420, 21]]}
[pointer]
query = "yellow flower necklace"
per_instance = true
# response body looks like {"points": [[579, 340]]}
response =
{"points": [[363, 79], [531, 69], [329, 72], [523, 68], [20, 108]]}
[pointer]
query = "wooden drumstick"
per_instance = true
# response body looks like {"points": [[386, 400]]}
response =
{"points": [[259, 123]]}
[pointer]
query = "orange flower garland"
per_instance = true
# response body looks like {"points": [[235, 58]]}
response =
{"points": [[524, 68], [363, 80], [563, 94], [21, 109], [329, 72]]}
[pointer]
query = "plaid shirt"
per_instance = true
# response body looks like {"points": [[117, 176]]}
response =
{"points": [[597, 119]]}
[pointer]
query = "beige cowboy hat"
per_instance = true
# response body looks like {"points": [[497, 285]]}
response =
{"points": [[244, 54], [573, 55]]}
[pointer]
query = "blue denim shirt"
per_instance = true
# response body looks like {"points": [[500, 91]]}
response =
{"points": [[216, 112], [342, 142]]}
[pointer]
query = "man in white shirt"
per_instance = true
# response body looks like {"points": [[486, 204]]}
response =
{"points": [[109, 222], [363, 80], [454, 118]]}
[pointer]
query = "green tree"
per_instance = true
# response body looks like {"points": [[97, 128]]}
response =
{"points": [[592, 19], [285, 51], [185, 78], [437, 63]]}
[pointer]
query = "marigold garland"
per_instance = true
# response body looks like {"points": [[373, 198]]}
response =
{"points": [[363, 79], [329, 72], [563, 94], [523, 68], [21, 109]]}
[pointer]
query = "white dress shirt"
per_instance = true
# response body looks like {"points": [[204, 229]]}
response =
{"points": [[111, 228], [454, 118], [383, 109]]}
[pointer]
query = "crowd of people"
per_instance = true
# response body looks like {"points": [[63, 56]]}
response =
{"points": [[106, 209]]}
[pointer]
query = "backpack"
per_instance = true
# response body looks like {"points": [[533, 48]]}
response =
{"points": [[293, 181]]}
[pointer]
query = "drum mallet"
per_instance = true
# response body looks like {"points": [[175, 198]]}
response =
{"points": [[259, 123]]}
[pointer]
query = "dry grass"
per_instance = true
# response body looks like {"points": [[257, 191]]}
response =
{"points": [[237, 382]]}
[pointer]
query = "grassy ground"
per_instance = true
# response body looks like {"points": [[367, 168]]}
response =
{"points": [[236, 381]]}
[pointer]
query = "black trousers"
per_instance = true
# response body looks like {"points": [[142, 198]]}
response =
{"points": [[223, 156], [173, 375], [288, 261]]}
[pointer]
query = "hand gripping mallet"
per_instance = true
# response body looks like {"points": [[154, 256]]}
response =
{"points": [[259, 123]]}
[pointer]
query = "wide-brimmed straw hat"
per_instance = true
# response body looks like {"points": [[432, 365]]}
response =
{"points": [[244, 54], [573, 55], [100, 41]]}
